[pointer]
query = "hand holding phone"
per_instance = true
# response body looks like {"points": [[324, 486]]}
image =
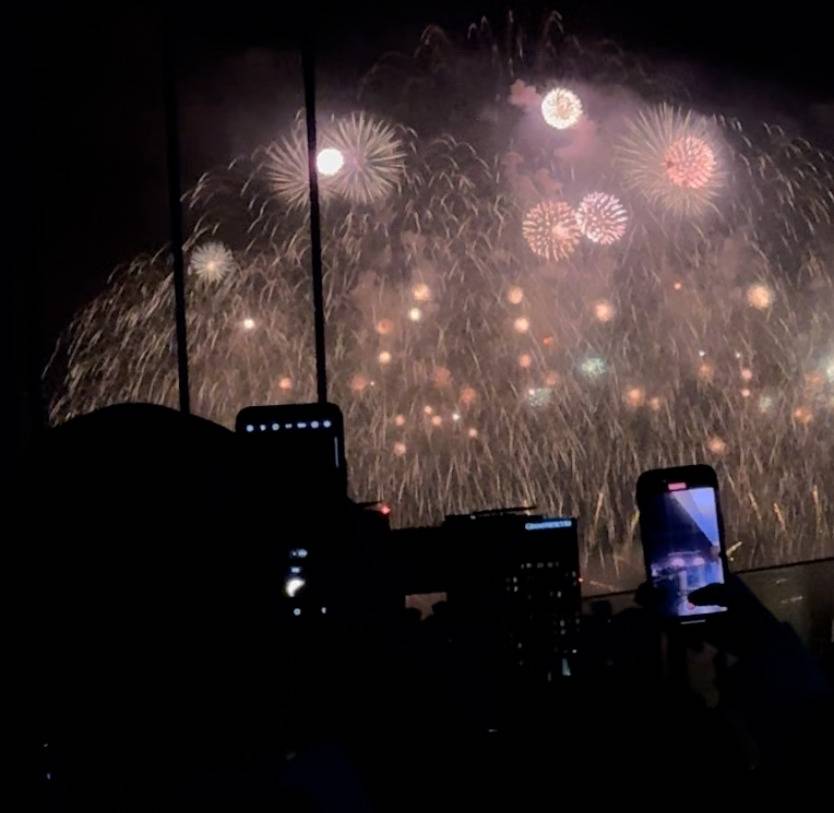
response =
{"points": [[683, 538]]}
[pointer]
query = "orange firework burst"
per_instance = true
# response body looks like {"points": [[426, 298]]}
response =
{"points": [[671, 159], [706, 371], [717, 445], [384, 357], [473, 432], [551, 230], [515, 295], [655, 403], [522, 324], [759, 296], [358, 383], [635, 397], [421, 292], [436, 420], [803, 415], [285, 383], [746, 374], [604, 311], [399, 420], [468, 396], [442, 377], [561, 108], [525, 360], [399, 448], [601, 218], [689, 162], [384, 327], [551, 379]]}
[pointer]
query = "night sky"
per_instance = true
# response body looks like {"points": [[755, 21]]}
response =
{"points": [[99, 128]]}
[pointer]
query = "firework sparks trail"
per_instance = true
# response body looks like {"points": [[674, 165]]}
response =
{"points": [[518, 382]]}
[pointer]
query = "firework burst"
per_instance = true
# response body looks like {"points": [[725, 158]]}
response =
{"points": [[671, 159], [211, 262], [287, 169], [602, 218], [561, 108], [374, 158], [551, 230]]}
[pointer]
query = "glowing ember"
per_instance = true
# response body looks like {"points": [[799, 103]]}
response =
{"points": [[759, 296], [421, 292], [717, 445], [515, 295]]}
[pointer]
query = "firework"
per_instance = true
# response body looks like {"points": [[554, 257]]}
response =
{"points": [[567, 416], [593, 367], [671, 159], [521, 325], [211, 262], [635, 397], [329, 161], [468, 396], [604, 311], [601, 218], [717, 445], [436, 420], [415, 314], [561, 108], [288, 173], [759, 296], [248, 323], [374, 158], [515, 295], [746, 374], [421, 292], [538, 397], [551, 230]]}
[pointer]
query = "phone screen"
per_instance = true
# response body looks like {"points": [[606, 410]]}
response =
{"points": [[682, 542], [301, 443]]}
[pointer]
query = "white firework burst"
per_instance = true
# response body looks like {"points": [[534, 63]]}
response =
{"points": [[561, 108], [374, 158], [288, 172], [212, 261], [602, 218], [672, 159]]}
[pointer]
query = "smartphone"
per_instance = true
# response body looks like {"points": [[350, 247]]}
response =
{"points": [[303, 444], [683, 537]]}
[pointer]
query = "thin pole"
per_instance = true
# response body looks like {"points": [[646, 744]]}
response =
{"points": [[169, 80], [309, 70]]}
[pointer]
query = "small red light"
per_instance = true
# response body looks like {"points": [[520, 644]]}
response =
{"points": [[385, 510], [676, 486]]}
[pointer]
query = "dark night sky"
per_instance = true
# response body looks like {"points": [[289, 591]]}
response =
{"points": [[99, 138]]}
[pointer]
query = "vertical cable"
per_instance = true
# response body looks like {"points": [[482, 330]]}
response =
{"points": [[309, 71], [169, 80]]}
